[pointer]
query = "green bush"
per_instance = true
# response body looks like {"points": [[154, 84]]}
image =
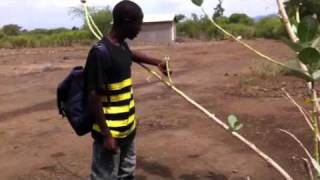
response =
{"points": [[2, 35], [237, 24], [188, 28], [203, 29], [222, 20], [47, 31], [242, 30], [270, 27], [40, 40]]}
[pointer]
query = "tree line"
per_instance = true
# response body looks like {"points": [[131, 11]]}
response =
{"points": [[195, 27], [238, 24]]}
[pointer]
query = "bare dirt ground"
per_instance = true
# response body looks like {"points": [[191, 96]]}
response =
{"points": [[175, 140]]}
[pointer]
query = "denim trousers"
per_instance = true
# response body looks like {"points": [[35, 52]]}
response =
{"points": [[109, 166]]}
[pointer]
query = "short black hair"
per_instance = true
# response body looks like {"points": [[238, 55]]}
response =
{"points": [[126, 11]]}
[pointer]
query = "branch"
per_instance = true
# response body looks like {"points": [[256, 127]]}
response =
{"points": [[301, 109], [286, 21], [313, 161], [308, 168]]}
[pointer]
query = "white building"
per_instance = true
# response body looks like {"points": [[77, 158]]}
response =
{"points": [[158, 29]]}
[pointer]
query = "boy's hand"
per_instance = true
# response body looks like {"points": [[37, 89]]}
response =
{"points": [[163, 68], [109, 143]]}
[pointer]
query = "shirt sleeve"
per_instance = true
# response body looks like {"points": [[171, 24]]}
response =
{"points": [[95, 72]]}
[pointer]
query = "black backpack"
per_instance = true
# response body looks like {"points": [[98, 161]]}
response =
{"points": [[71, 101]]}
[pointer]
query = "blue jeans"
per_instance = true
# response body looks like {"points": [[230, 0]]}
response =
{"points": [[109, 166]]}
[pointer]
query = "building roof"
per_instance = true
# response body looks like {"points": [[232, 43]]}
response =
{"points": [[154, 18]]}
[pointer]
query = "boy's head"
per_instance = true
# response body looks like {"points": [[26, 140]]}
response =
{"points": [[127, 17]]}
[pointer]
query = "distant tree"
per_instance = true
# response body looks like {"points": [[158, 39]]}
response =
{"points": [[11, 29], [241, 18], [74, 28], [102, 17], [218, 10], [194, 17], [24, 31], [179, 17]]}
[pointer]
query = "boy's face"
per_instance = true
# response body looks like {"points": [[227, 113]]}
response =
{"points": [[133, 28]]}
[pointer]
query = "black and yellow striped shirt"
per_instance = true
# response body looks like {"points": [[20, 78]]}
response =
{"points": [[110, 75]]}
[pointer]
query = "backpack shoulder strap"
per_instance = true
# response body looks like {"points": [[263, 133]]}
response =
{"points": [[106, 53]]}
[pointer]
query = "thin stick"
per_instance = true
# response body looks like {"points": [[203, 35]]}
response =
{"points": [[301, 109], [95, 26], [167, 58], [308, 168], [222, 124], [88, 20], [313, 161], [315, 116]]}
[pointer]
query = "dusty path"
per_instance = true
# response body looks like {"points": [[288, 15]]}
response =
{"points": [[175, 141]]}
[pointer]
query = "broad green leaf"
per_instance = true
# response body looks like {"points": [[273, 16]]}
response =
{"points": [[197, 2], [234, 123], [309, 56], [294, 46], [307, 29], [316, 75]]}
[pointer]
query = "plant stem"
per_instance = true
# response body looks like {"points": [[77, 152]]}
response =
{"points": [[286, 21], [315, 118], [298, 14], [308, 118]]}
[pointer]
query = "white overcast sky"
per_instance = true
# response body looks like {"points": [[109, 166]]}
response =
{"points": [[32, 14]]}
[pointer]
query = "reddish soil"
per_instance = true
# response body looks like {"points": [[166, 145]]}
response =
{"points": [[175, 140]]}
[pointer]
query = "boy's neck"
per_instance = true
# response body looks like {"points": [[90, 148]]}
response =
{"points": [[115, 37]]}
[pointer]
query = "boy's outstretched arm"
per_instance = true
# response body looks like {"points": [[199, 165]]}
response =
{"points": [[143, 58]]}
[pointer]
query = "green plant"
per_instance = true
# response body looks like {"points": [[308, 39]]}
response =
{"points": [[270, 27], [2, 35], [308, 54], [101, 16], [242, 30]]}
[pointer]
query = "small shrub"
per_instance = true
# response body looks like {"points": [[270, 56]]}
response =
{"points": [[243, 30], [265, 69], [19, 41], [270, 27], [2, 35]]}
